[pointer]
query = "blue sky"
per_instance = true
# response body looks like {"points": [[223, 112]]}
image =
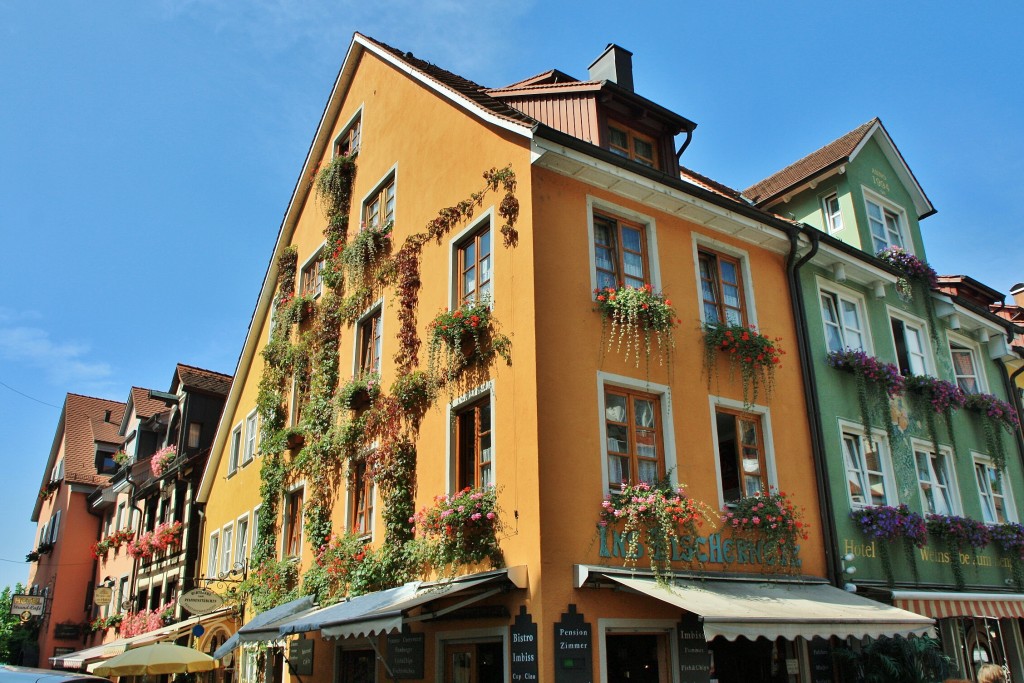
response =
{"points": [[148, 151]]}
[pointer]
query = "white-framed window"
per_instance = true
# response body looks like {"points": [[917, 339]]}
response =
{"points": [[379, 205], [936, 479], [724, 284], [360, 500], [250, 438], [255, 528], [242, 543], [886, 221], [637, 443], [994, 491], [347, 141], [833, 214], [745, 460], [623, 246], [235, 449], [869, 476], [311, 278], [473, 256], [227, 549], [369, 341], [966, 366], [213, 557], [471, 438], [291, 526], [844, 320], [910, 337]]}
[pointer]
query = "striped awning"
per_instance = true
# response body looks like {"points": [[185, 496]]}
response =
{"points": [[943, 605]]}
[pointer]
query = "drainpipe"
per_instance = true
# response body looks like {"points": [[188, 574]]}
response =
{"points": [[1010, 384], [811, 398]]}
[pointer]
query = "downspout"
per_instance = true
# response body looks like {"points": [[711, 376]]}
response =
{"points": [[1010, 384], [796, 294], [686, 143]]}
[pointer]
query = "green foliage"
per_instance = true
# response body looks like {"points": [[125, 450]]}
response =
{"points": [[271, 582], [895, 660], [13, 633]]}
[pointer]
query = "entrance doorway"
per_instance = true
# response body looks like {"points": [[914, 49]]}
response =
{"points": [[636, 658], [474, 663], [744, 660], [356, 666]]}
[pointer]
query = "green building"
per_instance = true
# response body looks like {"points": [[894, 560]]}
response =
{"points": [[880, 417]]}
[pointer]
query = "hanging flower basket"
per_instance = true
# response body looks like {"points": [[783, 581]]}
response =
{"points": [[162, 537], [755, 354], [461, 528], [632, 316], [877, 382], [936, 396], [995, 414], [959, 533], [360, 392], [363, 250], [887, 524], [463, 336], [162, 460], [1010, 539], [658, 516], [773, 518], [912, 269]]}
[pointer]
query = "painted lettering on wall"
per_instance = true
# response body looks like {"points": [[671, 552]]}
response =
{"points": [[880, 179], [935, 555], [713, 549]]}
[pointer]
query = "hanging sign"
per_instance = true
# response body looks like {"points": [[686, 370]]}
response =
{"points": [[33, 604], [573, 649], [101, 595], [300, 657], [200, 601]]}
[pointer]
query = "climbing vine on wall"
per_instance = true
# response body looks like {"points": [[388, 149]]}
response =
{"points": [[303, 347]]}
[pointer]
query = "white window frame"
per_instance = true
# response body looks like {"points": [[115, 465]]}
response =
{"points": [[349, 501], [213, 558], [830, 216], [885, 457], [976, 357], [454, 267], [235, 449], [242, 544], [355, 120], [317, 254], [390, 175], [704, 242], [227, 550], [289, 492], [664, 394], [901, 215], [1011, 509], [827, 287], [371, 310], [926, 354], [952, 489], [650, 233], [254, 529], [250, 437], [474, 395], [765, 413]]}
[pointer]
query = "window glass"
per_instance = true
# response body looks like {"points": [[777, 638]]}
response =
{"points": [[632, 145], [293, 524], [842, 319], [361, 497], [312, 280], [473, 441], [195, 432], [741, 455], [721, 288], [242, 545], [990, 488], [620, 252], [934, 480], [886, 229], [379, 209], [475, 260], [833, 216], [236, 447], [965, 368], [370, 344], [347, 144], [250, 438], [910, 349], [865, 474], [214, 557], [228, 538], [634, 440]]}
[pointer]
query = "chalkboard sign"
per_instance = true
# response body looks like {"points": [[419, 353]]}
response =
{"points": [[573, 649], [694, 654], [821, 661], [67, 631], [524, 648], [405, 655], [300, 657]]}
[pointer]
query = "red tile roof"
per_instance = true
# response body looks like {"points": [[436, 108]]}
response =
{"points": [[550, 76], [80, 412], [144, 405], [203, 380], [700, 180], [463, 86], [834, 152]]}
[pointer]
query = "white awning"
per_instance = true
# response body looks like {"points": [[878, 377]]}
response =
{"points": [[253, 631], [386, 611], [754, 609], [82, 658]]}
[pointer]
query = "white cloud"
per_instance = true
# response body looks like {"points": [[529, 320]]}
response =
{"points": [[66, 364]]}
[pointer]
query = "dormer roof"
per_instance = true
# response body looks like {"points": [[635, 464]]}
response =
{"points": [[832, 158]]}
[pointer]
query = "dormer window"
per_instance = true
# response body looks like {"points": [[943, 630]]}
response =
{"points": [[632, 145]]}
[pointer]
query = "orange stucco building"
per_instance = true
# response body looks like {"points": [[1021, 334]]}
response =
{"points": [[600, 199]]}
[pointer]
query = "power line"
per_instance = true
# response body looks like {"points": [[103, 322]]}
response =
{"points": [[31, 398]]}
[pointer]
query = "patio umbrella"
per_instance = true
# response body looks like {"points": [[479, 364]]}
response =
{"points": [[159, 658]]}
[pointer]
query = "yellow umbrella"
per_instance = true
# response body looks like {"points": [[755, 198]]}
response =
{"points": [[159, 658]]}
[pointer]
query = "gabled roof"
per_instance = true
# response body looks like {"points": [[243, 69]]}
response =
{"points": [[144, 405], [547, 78], [700, 180], [203, 380], [106, 432], [830, 158]]}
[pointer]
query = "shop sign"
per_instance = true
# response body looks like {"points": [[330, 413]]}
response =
{"points": [[405, 655], [573, 649], [32, 604], [200, 601], [300, 657], [821, 661], [712, 548], [524, 647], [101, 595], [694, 654], [67, 631]]}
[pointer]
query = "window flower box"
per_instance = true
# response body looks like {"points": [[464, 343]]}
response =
{"points": [[162, 460], [773, 518], [887, 524], [360, 392], [461, 529], [164, 536], [756, 355], [959, 533], [936, 396], [463, 336], [1010, 539], [877, 382], [995, 414], [632, 316]]}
